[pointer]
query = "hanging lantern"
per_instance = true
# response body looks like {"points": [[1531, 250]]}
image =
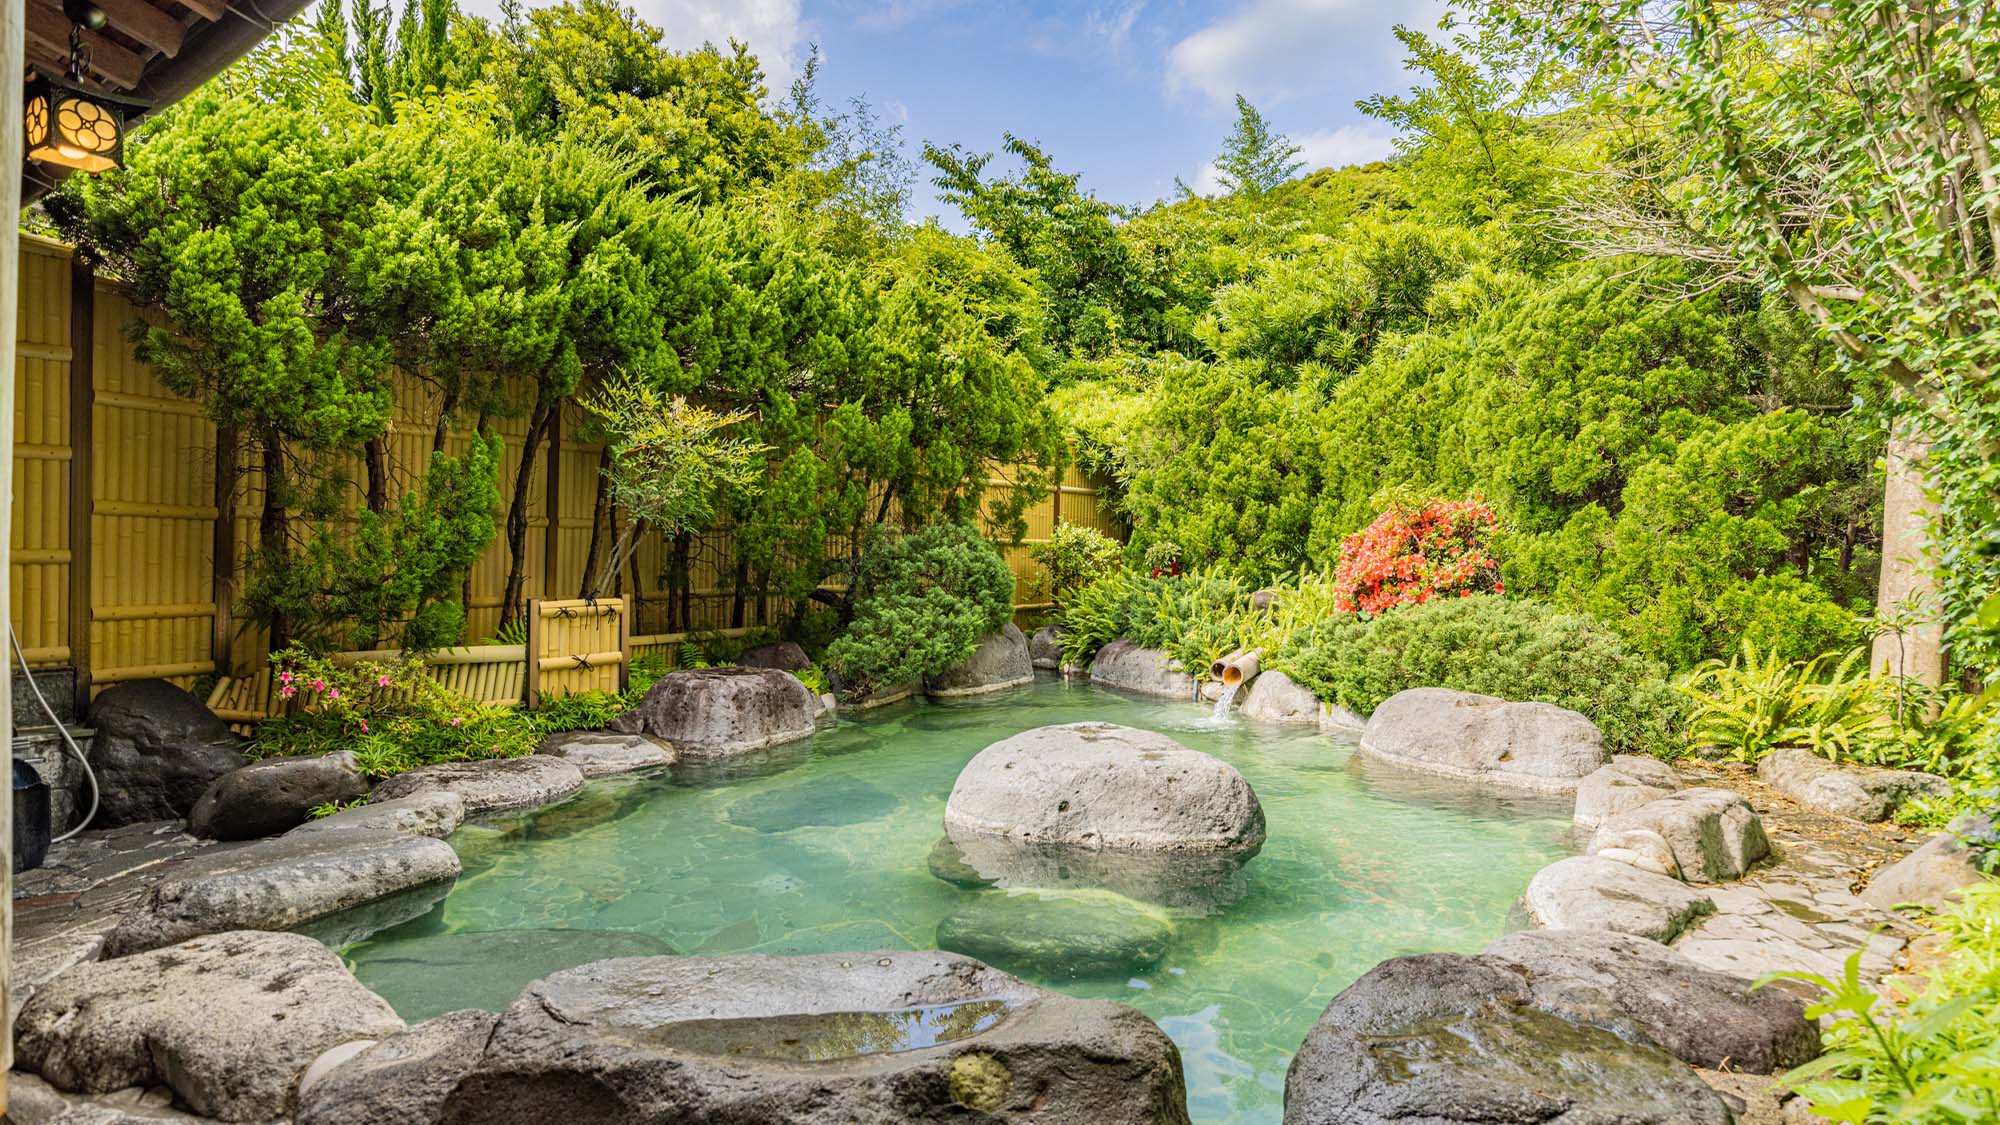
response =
{"points": [[73, 127]]}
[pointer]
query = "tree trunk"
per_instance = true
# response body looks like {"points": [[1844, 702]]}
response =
{"points": [[685, 573], [378, 475], [600, 515], [273, 528], [517, 510], [741, 595], [1908, 575]]}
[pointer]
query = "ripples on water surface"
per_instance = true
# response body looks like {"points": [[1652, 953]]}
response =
{"points": [[824, 848]]}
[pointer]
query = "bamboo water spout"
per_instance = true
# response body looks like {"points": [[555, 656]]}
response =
{"points": [[1236, 669]]}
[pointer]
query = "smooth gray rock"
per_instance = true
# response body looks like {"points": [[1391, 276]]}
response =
{"points": [[1000, 662], [1142, 671], [229, 1021], [31, 1101], [275, 795], [785, 656], [1339, 720], [1704, 1018], [429, 812], [1079, 933], [1100, 785], [1045, 648], [602, 753], [489, 786], [280, 884], [1480, 738], [1444, 1039], [1589, 892], [1190, 883], [404, 1078], [1627, 783], [814, 1039], [1856, 792], [1277, 698], [1932, 875], [716, 712], [156, 751], [1695, 835]]}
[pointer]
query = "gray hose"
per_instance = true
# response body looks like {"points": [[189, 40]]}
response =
{"points": [[62, 729]]}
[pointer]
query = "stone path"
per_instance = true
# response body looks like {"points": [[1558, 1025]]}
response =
{"points": [[1801, 912]]}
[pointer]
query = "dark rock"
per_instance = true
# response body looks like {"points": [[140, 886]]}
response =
{"points": [[280, 884], [272, 796], [404, 1078], [1481, 738], [710, 712], [785, 656], [1045, 648], [156, 751], [1704, 1018], [229, 1021], [1445, 1039], [1000, 662], [492, 785], [845, 1037]]}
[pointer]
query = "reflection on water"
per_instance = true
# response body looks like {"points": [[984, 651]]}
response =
{"points": [[829, 848], [819, 1036]]}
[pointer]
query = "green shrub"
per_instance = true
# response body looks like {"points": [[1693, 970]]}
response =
{"points": [[921, 603], [1118, 605], [1510, 648], [1074, 556], [1931, 1060]]}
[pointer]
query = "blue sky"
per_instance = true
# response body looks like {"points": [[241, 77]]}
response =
{"points": [[1131, 93]]}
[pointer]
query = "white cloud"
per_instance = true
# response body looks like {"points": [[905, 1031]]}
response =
{"points": [[1321, 148], [774, 29], [1275, 49]]}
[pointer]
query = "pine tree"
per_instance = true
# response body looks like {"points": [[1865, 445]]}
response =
{"points": [[1254, 159]]}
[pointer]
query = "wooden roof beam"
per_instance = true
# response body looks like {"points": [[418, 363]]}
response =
{"points": [[48, 29], [147, 24], [210, 10]]}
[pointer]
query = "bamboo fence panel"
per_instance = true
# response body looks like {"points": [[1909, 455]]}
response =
{"points": [[576, 645], [158, 600]]}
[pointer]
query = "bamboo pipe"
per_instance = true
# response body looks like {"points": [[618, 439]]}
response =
{"points": [[1240, 667]]}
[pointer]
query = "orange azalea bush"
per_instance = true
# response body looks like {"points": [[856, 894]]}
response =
{"points": [[1413, 553]]}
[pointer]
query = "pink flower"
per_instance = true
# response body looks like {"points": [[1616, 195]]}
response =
{"points": [[286, 692], [334, 694], [319, 685], [284, 677], [455, 722], [364, 726], [382, 681]]}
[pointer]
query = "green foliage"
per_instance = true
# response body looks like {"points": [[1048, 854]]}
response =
{"points": [[1926, 1060], [1761, 701], [1254, 159], [1073, 557], [815, 679], [1120, 604], [1507, 647], [921, 604]]}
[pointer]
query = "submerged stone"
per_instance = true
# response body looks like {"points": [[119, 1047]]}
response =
{"points": [[820, 802], [1187, 882], [1083, 933]]}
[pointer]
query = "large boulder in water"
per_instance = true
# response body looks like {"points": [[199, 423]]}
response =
{"points": [[1277, 698], [272, 796], [228, 1021], [1000, 662], [280, 884], [1446, 1039], [1100, 785], [1480, 738], [715, 712], [873, 1037], [1084, 933], [156, 751], [1702, 1017], [1699, 835], [1855, 792], [1196, 883], [1142, 671]]}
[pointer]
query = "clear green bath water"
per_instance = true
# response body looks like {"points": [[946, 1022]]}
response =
{"points": [[824, 848]]}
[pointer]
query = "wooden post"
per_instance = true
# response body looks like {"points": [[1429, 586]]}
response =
{"points": [[625, 644], [13, 48], [553, 505], [222, 567], [532, 653], [82, 485]]}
